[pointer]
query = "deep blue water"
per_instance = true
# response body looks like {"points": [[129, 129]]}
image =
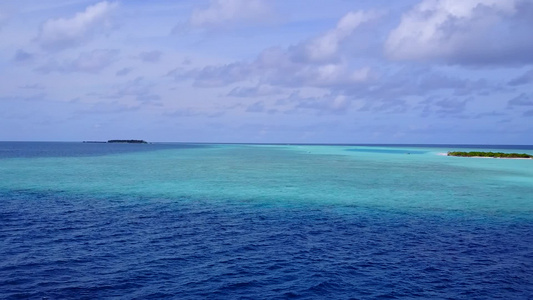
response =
{"points": [[57, 242]]}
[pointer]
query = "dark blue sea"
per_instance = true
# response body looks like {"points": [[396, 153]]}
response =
{"points": [[207, 221]]}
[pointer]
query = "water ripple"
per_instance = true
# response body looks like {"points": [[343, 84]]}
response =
{"points": [[72, 247]]}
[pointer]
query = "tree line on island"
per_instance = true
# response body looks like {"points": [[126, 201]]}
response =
{"points": [[128, 141], [120, 141], [489, 154]]}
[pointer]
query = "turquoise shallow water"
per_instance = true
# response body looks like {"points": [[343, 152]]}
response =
{"points": [[230, 221], [348, 175]]}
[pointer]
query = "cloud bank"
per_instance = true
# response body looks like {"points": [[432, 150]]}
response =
{"points": [[464, 32], [227, 13], [407, 71], [61, 33]]}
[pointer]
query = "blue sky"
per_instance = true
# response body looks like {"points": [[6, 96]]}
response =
{"points": [[337, 71]]}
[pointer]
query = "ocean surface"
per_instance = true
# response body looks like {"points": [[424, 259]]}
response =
{"points": [[236, 221]]}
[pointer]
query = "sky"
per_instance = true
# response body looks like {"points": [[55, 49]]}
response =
{"points": [[267, 71]]}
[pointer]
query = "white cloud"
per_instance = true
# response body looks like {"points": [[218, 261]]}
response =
{"points": [[327, 45], [317, 62], [467, 31], [228, 12], [136, 90], [277, 67], [329, 103], [87, 62], [150, 56], [22, 56], [56, 34], [123, 71], [523, 79], [255, 91], [520, 100], [94, 61]]}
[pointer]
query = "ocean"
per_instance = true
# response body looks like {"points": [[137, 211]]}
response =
{"points": [[240, 221]]}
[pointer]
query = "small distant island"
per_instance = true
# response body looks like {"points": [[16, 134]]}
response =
{"points": [[128, 141], [489, 154], [120, 141]]}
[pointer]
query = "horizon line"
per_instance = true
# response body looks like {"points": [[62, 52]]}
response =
{"points": [[277, 143]]}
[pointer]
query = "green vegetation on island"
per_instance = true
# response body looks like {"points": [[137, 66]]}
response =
{"points": [[118, 141], [128, 141], [489, 154]]}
